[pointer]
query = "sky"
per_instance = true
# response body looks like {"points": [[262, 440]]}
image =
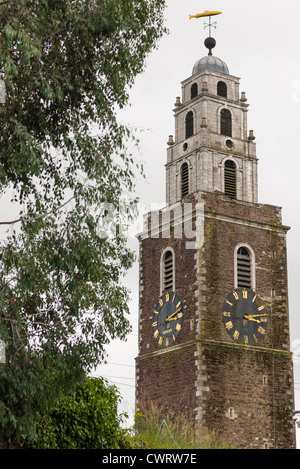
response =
{"points": [[259, 42]]}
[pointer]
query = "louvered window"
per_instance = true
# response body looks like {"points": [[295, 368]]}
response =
{"points": [[222, 89], [184, 180], [168, 271], [194, 90], [243, 268], [226, 123], [189, 124], [230, 179]]}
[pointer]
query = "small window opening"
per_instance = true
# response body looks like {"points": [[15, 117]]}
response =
{"points": [[226, 123], [184, 180], [168, 271], [222, 89], [265, 380], [229, 144], [230, 179], [194, 90], [189, 124], [243, 268]]}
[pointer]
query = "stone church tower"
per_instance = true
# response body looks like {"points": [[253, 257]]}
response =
{"points": [[214, 338]]}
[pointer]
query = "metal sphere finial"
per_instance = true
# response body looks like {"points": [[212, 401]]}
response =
{"points": [[210, 43]]}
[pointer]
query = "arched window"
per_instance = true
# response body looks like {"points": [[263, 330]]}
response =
{"points": [[168, 271], [194, 90], [230, 179], [244, 268], [226, 123], [222, 89], [184, 179], [189, 124]]}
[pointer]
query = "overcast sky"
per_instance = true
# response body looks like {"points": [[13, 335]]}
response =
{"points": [[259, 42]]}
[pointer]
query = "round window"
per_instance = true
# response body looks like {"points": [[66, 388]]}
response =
{"points": [[229, 144]]}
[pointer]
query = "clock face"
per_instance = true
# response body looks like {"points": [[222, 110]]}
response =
{"points": [[245, 317], [167, 319]]}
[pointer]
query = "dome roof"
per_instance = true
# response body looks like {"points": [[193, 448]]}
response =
{"points": [[212, 63]]}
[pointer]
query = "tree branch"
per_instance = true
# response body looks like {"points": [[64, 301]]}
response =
{"points": [[37, 217]]}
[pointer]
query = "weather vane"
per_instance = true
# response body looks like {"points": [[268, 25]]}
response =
{"points": [[209, 14]]}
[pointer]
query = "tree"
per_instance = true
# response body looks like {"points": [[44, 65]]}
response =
{"points": [[68, 67], [86, 419]]}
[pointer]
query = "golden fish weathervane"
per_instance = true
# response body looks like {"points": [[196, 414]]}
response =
{"points": [[205, 13]]}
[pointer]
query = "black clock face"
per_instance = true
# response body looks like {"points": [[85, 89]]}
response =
{"points": [[167, 319], [245, 317]]}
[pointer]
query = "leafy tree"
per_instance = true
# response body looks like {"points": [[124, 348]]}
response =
{"points": [[68, 67], [87, 419]]}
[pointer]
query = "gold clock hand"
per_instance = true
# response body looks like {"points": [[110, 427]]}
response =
{"points": [[256, 315], [251, 319], [173, 314]]}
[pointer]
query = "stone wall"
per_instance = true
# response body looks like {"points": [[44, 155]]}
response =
{"points": [[244, 392]]}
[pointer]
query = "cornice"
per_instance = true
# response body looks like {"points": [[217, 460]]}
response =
{"points": [[216, 343]]}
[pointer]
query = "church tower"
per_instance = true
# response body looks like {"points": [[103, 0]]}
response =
{"points": [[214, 340]]}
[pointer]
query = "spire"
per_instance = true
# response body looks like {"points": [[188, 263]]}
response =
{"points": [[213, 63], [209, 42]]}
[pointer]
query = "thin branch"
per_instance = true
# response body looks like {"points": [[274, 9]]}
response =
{"points": [[10, 222], [26, 217]]}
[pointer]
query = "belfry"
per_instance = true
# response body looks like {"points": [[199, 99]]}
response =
{"points": [[214, 340]]}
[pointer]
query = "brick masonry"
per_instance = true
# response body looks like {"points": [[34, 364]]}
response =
{"points": [[243, 392]]}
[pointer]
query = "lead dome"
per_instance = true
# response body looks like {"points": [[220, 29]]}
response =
{"points": [[212, 63]]}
